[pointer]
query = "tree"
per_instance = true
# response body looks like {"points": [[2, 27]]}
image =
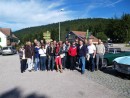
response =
{"points": [[102, 36]]}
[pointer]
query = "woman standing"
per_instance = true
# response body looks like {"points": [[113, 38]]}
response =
{"points": [[73, 53], [42, 52], [23, 60], [58, 51]]}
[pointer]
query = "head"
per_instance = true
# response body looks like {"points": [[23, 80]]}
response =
{"points": [[66, 42], [22, 46], [69, 43], [38, 44], [99, 41], [73, 43], [57, 44], [42, 41], [54, 42], [90, 41], [43, 47], [35, 41], [51, 44], [29, 43], [80, 42], [76, 41]]}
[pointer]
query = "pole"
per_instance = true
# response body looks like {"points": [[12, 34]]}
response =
{"points": [[59, 31], [59, 23]]}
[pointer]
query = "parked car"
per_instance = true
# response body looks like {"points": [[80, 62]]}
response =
{"points": [[0, 51], [112, 54], [9, 50], [122, 64]]}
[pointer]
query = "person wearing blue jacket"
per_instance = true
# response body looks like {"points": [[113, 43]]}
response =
{"points": [[37, 57]]}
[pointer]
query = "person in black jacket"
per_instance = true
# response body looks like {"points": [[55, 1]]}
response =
{"points": [[82, 54], [23, 60], [29, 53], [50, 55]]}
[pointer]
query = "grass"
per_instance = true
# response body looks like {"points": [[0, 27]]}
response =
{"points": [[127, 45]]}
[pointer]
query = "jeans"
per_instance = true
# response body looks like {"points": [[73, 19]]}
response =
{"points": [[64, 61], [51, 62], [23, 65], [98, 57], [82, 64], [30, 63], [43, 62], [37, 64], [92, 62]]}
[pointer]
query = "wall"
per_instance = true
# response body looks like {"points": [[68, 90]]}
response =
{"points": [[3, 42]]}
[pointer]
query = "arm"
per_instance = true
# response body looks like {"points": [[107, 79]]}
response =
{"points": [[104, 50], [69, 51], [94, 54]]}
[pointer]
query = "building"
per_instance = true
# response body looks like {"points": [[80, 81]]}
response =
{"points": [[7, 37], [71, 36]]}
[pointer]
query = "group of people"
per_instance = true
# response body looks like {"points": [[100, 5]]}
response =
{"points": [[61, 55]]}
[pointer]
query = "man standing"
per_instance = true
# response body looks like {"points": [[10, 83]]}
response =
{"points": [[92, 52], [100, 51], [29, 52], [82, 54], [51, 55]]}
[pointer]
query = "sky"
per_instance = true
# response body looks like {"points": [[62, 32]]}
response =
{"points": [[19, 14]]}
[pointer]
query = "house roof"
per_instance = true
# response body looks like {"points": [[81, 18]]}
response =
{"points": [[14, 36], [94, 38], [82, 35], [6, 31]]}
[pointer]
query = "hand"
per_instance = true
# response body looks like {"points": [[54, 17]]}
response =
{"points": [[94, 56]]}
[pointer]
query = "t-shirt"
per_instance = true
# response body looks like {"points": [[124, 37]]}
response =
{"points": [[100, 48], [42, 52], [91, 48]]}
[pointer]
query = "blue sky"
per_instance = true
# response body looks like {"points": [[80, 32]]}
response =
{"points": [[18, 14]]}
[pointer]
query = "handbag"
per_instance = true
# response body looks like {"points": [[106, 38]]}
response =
{"points": [[62, 55]]}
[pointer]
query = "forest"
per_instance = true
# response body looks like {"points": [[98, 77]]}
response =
{"points": [[117, 29]]}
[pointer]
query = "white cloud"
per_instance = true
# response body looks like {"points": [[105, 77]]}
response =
{"points": [[17, 14], [98, 4], [112, 3]]}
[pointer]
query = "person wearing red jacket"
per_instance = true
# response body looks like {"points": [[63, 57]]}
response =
{"points": [[72, 53]]}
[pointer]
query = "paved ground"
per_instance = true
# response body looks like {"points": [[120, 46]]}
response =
{"points": [[14, 84], [122, 46]]}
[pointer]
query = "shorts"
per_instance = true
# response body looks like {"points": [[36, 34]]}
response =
{"points": [[58, 60]]}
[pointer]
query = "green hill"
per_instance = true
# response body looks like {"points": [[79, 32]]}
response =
{"points": [[116, 29]]}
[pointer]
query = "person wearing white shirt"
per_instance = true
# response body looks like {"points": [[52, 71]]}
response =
{"points": [[92, 52], [42, 52]]}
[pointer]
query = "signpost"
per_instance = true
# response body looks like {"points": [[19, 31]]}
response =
{"points": [[47, 36]]}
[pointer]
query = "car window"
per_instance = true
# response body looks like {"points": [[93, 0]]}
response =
{"points": [[4, 48]]}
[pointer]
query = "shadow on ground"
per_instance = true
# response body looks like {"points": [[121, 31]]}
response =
{"points": [[17, 93], [113, 72]]}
